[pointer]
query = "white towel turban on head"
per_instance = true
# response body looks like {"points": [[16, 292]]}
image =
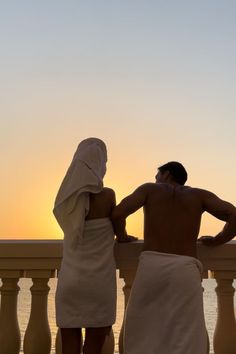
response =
{"points": [[85, 175]]}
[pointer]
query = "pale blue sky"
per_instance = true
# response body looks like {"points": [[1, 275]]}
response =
{"points": [[155, 79]]}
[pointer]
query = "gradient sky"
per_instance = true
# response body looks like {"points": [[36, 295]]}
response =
{"points": [[154, 79]]}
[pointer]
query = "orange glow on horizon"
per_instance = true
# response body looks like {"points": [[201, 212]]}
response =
{"points": [[33, 218]]}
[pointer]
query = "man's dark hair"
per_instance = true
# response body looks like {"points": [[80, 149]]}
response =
{"points": [[177, 171]]}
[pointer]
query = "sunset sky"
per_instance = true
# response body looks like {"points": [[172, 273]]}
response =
{"points": [[154, 79]]}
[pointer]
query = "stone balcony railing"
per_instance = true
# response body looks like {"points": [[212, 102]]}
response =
{"points": [[40, 261]]}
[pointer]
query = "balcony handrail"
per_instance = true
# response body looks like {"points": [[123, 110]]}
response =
{"points": [[47, 254]]}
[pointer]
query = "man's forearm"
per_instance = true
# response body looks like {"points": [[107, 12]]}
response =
{"points": [[227, 234], [120, 229]]}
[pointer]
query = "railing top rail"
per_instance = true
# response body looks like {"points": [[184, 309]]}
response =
{"points": [[47, 254]]}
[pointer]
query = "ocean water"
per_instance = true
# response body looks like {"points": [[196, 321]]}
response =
{"points": [[24, 304]]}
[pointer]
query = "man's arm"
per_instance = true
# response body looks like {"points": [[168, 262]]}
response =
{"points": [[126, 207], [224, 211]]}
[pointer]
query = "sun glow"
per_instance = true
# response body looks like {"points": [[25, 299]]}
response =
{"points": [[135, 74]]}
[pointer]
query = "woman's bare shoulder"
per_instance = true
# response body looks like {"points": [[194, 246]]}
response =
{"points": [[108, 191], [105, 195]]}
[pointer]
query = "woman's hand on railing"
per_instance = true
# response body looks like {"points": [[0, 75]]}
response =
{"points": [[127, 238], [207, 240]]}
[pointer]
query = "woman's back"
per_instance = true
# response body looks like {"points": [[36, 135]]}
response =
{"points": [[87, 279], [101, 204]]}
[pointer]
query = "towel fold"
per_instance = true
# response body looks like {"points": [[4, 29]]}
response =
{"points": [[84, 175], [165, 310], [86, 290]]}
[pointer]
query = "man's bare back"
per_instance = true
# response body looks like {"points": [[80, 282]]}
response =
{"points": [[172, 216]]}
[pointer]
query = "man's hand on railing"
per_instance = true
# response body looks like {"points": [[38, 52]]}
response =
{"points": [[127, 238], [207, 240]]}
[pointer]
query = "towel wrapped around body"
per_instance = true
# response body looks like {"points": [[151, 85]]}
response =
{"points": [[165, 310], [86, 290]]}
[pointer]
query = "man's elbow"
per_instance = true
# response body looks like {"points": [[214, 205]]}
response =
{"points": [[232, 215], [232, 224], [233, 219]]}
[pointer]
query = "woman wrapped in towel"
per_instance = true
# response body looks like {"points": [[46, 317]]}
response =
{"points": [[86, 290]]}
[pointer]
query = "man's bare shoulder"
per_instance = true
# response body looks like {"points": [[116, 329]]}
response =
{"points": [[146, 189], [150, 186], [163, 186], [190, 189], [205, 197], [203, 193]]}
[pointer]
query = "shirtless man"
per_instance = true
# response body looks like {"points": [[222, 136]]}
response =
{"points": [[172, 217], [172, 213]]}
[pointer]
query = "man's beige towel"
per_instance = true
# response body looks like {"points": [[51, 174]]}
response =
{"points": [[165, 309], [86, 291]]}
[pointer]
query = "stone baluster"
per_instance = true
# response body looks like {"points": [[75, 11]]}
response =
{"points": [[58, 344], [205, 275], [224, 341], [38, 336], [128, 276], [9, 328]]}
